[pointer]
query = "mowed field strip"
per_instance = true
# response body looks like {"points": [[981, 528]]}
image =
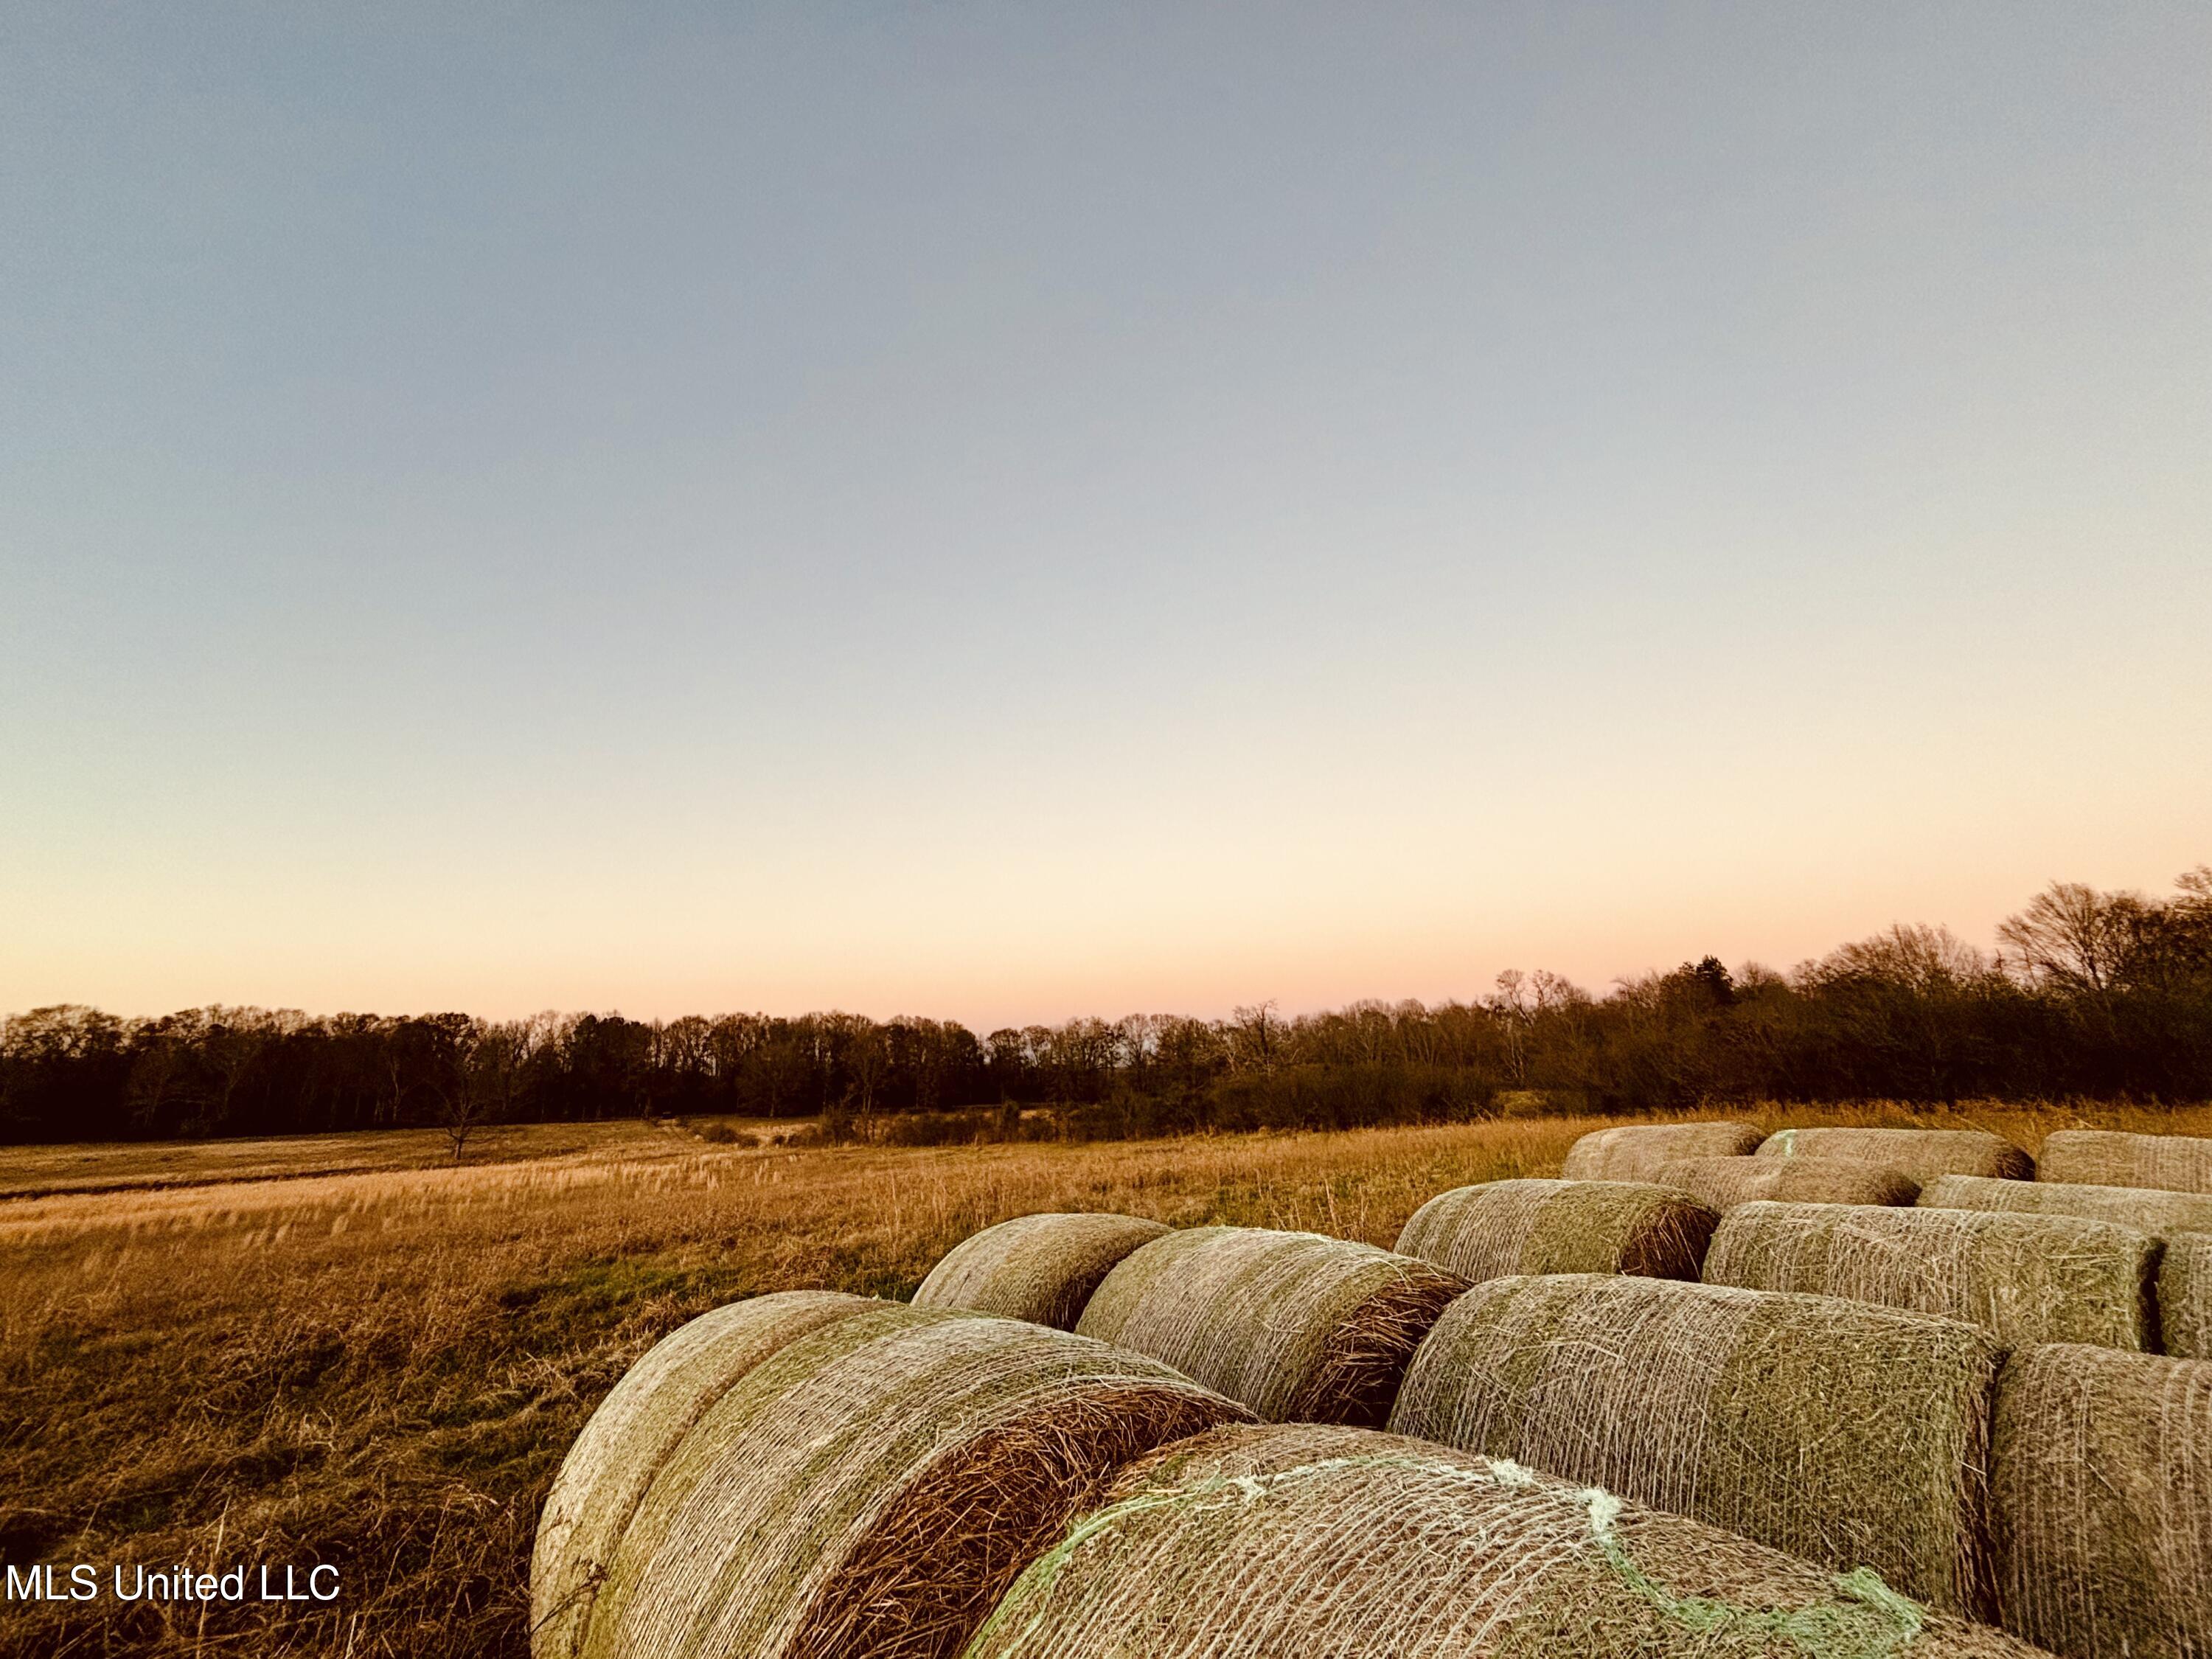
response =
{"points": [[383, 1368]]}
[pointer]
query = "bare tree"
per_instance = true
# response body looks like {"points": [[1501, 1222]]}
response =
{"points": [[1255, 1035], [2074, 936]]}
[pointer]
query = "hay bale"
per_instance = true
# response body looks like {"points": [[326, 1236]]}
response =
{"points": [[2106, 1157], [1038, 1267], [2184, 1296], [1297, 1327], [640, 1423], [872, 1487], [1504, 1227], [2103, 1503], [1633, 1152], [2147, 1210], [1920, 1154], [1725, 1183], [1335, 1543], [2022, 1278], [1851, 1434]]}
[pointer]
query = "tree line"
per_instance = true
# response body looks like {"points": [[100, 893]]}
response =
{"points": [[2088, 993]]}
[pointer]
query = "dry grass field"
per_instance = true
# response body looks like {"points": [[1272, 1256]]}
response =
{"points": [[294, 1354]]}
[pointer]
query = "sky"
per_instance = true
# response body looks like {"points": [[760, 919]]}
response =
{"points": [[1008, 511]]}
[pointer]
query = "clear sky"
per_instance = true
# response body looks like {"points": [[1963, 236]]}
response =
{"points": [[1007, 511]]}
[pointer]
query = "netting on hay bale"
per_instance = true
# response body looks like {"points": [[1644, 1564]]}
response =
{"points": [[1853, 1435], [2184, 1296], [1725, 1183], [1920, 1154], [2108, 1157], [1633, 1152], [2103, 1497], [641, 1422], [1339, 1543], [870, 1490], [2144, 1208], [2022, 1278], [1298, 1327], [1534, 1227], [1038, 1267]]}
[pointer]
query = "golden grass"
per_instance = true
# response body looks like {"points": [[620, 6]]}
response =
{"points": [[384, 1369]]}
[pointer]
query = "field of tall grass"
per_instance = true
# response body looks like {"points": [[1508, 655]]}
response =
{"points": [[381, 1368]]}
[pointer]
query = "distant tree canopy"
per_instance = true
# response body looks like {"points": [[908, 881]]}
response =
{"points": [[2089, 994]]}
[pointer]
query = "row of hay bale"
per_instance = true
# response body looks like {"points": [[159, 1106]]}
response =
{"points": [[1638, 1151], [1296, 1327], [2092, 1158], [817, 1476], [2033, 1260], [1856, 1436]]}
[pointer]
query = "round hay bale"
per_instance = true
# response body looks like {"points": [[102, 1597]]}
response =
{"points": [[2107, 1157], [1038, 1267], [1336, 1543], [2021, 1277], [1633, 1152], [1849, 1435], [871, 1489], [641, 1422], [1504, 1227], [1297, 1327], [1919, 1154], [2184, 1296], [1725, 1183], [2103, 1497], [2147, 1210]]}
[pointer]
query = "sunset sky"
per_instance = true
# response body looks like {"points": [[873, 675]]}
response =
{"points": [[1008, 511]]}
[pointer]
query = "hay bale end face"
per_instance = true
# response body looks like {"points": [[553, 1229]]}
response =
{"points": [[2184, 1296], [1506, 1227], [1038, 1267], [637, 1427], [2108, 1157], [2103, 1502], [1725, 1183], [1256, 1543], [871, 1489], [2159, 1213], [2022, 1278], [1297, 1327], [1921, 1155], [1633, 1151], [1852, 1436]]}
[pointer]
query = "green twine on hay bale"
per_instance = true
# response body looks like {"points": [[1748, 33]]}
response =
{"points": [[1038, 1267], [1634, 1151], [870, 1490], [1921, 1154], [1853, 1435], [2184, 1296], [1298, 1327], [2103, 1497], [1725, 1183], [1310, 1542], [2109, 1158], [1534, 1227], [2022, 1278], [641, 1422]]}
